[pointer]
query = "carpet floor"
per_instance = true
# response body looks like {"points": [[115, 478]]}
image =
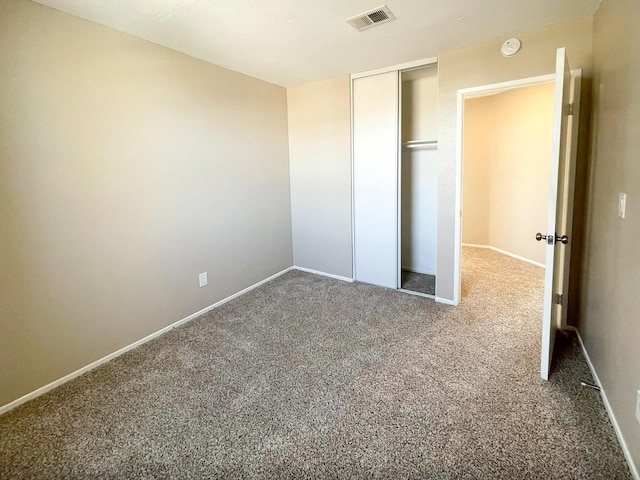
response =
{"points": [[309, 377], [418, 282]]}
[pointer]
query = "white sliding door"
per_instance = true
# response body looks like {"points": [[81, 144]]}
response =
{"points": [[375, 178]]}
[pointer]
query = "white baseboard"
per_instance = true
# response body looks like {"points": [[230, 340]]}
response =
{"points": [[324, 274], [418, 270], [475, 245], [446, 301], [607, 406], [117, 353], [504, 252], [417, 294]]}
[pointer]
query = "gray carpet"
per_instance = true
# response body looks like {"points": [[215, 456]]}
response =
{"points": [[308, 377], [418, 282]]}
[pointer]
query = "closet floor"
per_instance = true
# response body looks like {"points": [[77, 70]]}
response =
{"points": [[418, 282]]}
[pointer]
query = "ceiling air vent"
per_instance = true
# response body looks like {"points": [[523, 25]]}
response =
{"points": [[371, 18]]}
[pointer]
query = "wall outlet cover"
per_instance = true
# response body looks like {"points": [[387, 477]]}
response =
{"points": [[202, 278], [622, 205], [638, 406]]}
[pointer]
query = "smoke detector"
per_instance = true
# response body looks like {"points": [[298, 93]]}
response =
{"points": [[510, 47], [369, 19]]}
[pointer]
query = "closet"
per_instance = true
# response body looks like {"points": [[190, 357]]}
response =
{"points": [[418, 179], [395, 167]]}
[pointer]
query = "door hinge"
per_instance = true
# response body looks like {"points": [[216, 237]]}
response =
{"points": [[557, 298], [568, 109]]}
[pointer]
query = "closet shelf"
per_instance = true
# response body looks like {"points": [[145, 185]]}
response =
{"points": [[427, 144]]}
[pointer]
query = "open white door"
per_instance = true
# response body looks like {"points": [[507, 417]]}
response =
{"points": [[559, 204]]}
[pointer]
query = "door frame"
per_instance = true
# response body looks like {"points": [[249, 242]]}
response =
{"points": [[462, 94], [576, 98]]}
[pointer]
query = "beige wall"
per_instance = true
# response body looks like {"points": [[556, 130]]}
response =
{"points": [[509, 169], [478, 65], [320, 161], [476, 181], [125, 170], [609, 313], [520, 169]]}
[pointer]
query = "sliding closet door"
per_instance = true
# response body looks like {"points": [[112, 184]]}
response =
{"points": [[375, 178]]}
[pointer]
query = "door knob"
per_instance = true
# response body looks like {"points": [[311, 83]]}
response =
{"points": [[546, 238], [551, 239]]}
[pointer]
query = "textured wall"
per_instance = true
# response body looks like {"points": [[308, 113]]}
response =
{"points": [[320, 159], [125, 170], [609, 313], [478, 65]]}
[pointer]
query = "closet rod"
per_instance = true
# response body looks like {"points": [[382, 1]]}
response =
{"points": [[421, 144]]}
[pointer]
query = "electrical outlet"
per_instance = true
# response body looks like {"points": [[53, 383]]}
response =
{"points": [[638, 406], [202, 278]]}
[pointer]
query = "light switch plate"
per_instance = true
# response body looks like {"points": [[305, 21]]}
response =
{"points": [[202, 278], [622, 205]]}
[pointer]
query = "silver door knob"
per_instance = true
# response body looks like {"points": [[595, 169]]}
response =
{"points": [[546, 238], [551, 239]]}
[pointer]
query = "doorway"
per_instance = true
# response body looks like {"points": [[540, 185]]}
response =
{"points": [[463, 95], [564, 135], [506, 149], [507, 146]]}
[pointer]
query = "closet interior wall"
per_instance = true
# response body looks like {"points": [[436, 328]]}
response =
{"points": [[419, 173]]}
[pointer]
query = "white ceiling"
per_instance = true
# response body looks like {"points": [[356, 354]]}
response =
{"points": [[291, 42]]}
